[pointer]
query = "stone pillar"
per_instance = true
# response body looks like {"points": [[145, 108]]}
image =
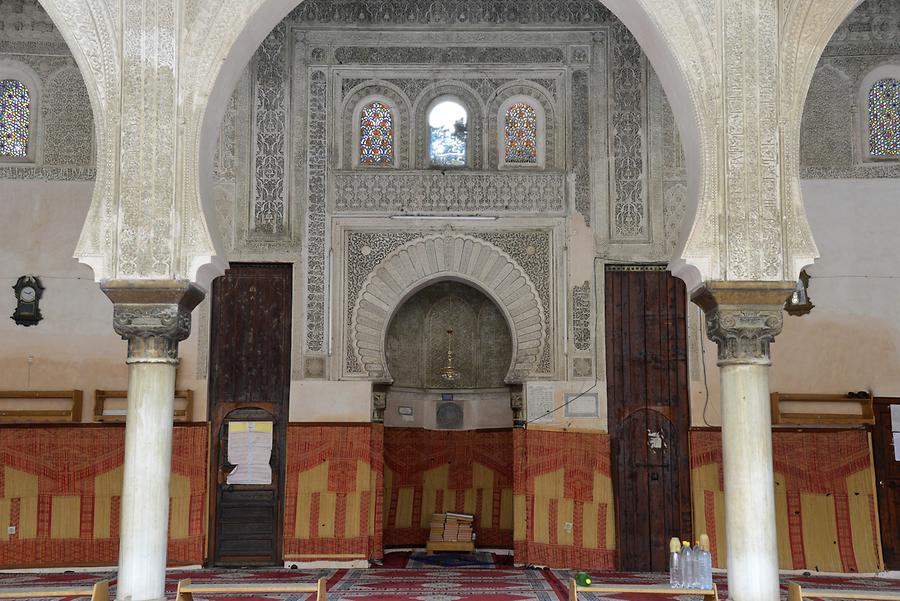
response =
{"points": [[743, 318], [153, 316]]}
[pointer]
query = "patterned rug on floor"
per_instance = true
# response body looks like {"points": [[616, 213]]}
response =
{"points": [[830, 582], [447, 584], [479, 559]]}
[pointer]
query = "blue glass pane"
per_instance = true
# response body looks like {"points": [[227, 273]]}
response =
{"points": [[521, 134], [15, 111], [376, 135], [884, 118]]}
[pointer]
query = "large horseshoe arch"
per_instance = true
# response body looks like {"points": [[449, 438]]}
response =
{"points": [[459, 257]]}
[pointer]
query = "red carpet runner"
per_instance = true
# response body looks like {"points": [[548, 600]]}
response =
{"points": [[442, 584]]}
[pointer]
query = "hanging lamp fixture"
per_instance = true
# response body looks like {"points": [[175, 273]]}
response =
{"points": [[449, 373]]}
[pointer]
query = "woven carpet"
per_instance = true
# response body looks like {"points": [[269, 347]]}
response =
{"points": [[563, 578], [447, 584], [477, 560]]}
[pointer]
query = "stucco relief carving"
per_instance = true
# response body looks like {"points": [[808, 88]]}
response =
{"points": [[357, 55], [269, 211], [317, 161], [582, 322], [581, 128], [146, 163], [629, 210], [435, 192], [449, 12], [451, 256], [68, 120], [826, 132]]}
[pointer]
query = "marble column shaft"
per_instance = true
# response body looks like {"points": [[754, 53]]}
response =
{"points": [[153, 316], [743, 318]]}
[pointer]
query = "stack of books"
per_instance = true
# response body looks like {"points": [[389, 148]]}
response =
{"points": [[451, 527]]}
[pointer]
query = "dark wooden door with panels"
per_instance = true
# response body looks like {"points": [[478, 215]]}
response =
{"points": [[649, 412], [886, 451], [249, 385]]}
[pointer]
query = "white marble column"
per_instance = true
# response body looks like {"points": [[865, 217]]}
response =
{"points": [[743, 318], [153, 316]]}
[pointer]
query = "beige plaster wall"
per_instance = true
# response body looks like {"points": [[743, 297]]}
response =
{"points": [[74, 346], [850, 341]]}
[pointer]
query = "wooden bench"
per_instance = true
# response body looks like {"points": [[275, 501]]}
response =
{"points": [[102, 413], [798, 593], [98, 592], [644, 589], [186, 589], [32, 414]]}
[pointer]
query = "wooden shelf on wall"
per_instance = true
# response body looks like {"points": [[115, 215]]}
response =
{"points": [[815, 416], [35, 414], [102, 413]]}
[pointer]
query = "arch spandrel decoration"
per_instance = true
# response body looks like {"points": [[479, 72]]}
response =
{"points": [[448, 257]]}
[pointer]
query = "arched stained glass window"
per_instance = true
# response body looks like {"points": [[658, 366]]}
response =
{"points": [[376, 134], [521, 133], [15, 113], [448, 122], [884, 118]]}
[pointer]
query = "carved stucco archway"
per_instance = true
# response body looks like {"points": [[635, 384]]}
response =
{"points": [[679, 37], [459, 257]]}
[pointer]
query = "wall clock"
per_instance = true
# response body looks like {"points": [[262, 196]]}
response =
{"points": [[28, 291]]}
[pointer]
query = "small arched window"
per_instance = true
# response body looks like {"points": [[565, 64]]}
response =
{"points": [[448, 123], [376, 134], [884, 118], [520, 134], [15, 118]]}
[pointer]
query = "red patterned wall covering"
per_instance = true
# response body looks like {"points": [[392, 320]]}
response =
{"points": [[61, 487], [332, 492], [824, 499], [564, 477], [429, 471]]}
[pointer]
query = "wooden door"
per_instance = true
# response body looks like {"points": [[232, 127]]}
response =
{"points": [[649, 416], [249, 381], [887, 479]]}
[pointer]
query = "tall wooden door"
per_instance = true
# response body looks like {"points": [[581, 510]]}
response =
{"points": [[887, 478], [249, 383], [649, 416]]}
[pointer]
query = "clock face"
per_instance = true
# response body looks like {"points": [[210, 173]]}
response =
{"points": [[27, 295]]}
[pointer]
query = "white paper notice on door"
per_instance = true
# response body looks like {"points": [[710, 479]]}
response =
{"points": [[895, 418], [249, 450], [896, 446]]}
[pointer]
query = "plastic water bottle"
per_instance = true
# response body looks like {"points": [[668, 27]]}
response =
{"points": [[687, 564], [674, 563], [704, 564], [695, 581]]}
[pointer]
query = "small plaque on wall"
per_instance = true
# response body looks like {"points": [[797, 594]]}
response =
{"points": [[582, 405], [539, 397]]}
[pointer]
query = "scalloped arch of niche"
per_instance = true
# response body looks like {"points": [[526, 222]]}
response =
{"points": [[427, 260]]}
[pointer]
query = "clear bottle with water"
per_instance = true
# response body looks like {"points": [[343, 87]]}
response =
{"points": [[675, 562], [687, 565], [704, 564]]}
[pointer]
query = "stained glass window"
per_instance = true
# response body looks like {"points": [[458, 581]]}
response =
{"points": [[15, 112], [521, 133], [884, 118], [376, 135], [448, 121]]}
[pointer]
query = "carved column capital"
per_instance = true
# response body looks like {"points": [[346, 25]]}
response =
{"points": [[153, 316], [379, 404], [743, 318]]}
